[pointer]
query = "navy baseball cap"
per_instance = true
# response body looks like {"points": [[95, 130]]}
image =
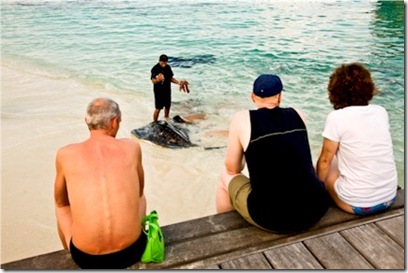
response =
{"points": [[267, 85]]}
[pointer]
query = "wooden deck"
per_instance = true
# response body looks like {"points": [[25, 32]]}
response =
{"points": [[225, 241]]}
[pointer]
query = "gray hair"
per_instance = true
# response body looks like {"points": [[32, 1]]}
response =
{"points": [[100, 112]]}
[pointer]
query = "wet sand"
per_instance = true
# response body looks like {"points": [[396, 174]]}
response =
{"points": [[41, 114]]}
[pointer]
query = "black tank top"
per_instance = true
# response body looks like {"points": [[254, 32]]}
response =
{"points": [[286, 193]]}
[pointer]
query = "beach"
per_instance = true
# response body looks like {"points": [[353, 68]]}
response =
{"points": [[35, 124], [59, 55]]}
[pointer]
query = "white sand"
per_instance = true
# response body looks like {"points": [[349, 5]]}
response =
{"points": [[39, 114]]}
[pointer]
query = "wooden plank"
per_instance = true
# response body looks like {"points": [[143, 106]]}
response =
{"points": [[203, 226], [231, 220], [225, 245], [254, 261], [211, 267], [54, 260], [208, 267], [395, 228], [230, 244], [211, 246], [376, 246], [282, 241], [210, 250], [294, 256], [334, 252], [204, 237]]}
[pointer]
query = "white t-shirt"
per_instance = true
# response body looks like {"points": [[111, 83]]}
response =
{"points": [[368, 174]]}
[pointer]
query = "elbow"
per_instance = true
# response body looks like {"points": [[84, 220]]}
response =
{"points": [[61, 202], [323, 163], [232, 168]]}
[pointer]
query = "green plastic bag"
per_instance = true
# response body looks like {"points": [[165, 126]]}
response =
{"points": [[154, 251]]}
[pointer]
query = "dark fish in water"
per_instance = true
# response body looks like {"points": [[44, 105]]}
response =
{"points": [[189, 62], [164, 134]]}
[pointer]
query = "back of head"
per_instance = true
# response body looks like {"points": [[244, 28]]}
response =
{"points": [[267, 85], [100, 112], [351, 84]]}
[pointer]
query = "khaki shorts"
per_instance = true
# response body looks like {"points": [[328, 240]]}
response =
{"points": [[239, 189]]}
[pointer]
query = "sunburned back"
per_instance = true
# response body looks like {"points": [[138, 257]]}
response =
{"points": [[103, 186]]}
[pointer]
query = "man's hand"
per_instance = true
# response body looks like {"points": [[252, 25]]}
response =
{"points": [[160, 78], [183, 86]]}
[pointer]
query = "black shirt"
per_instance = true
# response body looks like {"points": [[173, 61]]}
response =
{"points": [[286, 193], [168, 74]]}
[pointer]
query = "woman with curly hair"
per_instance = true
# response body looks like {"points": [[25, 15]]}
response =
{"points": [[356, 162]]}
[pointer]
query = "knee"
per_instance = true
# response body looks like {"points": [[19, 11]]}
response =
{"points": [[224, 180]]}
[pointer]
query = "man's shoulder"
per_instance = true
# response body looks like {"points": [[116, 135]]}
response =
{"points": [[68, 149], [240, 114], [240, 120], [70, 146], [128, 142], [155, 66]]}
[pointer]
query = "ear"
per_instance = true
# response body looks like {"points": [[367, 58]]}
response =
{"points": [[114, 123], [252, 95]]}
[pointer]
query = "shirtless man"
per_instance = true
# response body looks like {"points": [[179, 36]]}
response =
{"points": [[99, 199]]}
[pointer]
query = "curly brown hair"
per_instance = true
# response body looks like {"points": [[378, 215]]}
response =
{"points": [[351, 84]]}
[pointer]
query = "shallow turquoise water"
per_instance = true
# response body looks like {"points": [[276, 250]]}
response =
{"points": [[222, 47]]}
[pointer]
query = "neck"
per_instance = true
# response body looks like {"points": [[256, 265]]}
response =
{"points": [[267, 105], [268, 102], [100, 133]]}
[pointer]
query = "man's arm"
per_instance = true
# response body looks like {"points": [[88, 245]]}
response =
{"points": [[235, 160], [140, 170], [62, 205], [324, 162], [301, 114], [173, 80]]}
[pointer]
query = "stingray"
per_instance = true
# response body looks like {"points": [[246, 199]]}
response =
{"points": [[188, 62], [164, 134]]}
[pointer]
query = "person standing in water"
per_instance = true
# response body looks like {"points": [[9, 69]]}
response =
{"points": [[162, 76]]}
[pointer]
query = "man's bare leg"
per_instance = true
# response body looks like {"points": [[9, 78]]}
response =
{"points": [[62, 237], [223, 202], [156, 114], [166, 112]]}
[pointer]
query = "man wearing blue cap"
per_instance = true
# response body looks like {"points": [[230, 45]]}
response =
{"points": [[283, 193]]}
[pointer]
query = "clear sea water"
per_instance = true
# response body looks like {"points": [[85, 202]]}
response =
{"points": [[219, 46]]}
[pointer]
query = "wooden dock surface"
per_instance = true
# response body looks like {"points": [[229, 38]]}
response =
{"points": [[226, 241]]}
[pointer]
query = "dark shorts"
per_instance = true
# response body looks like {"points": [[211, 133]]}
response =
{"points": [[162, 99], [116, 260]]}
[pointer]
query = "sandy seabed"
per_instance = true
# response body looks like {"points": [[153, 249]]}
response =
{"points": [[39, 114]]}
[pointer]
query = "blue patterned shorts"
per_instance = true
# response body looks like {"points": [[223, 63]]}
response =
{"points": [[374, 209]]}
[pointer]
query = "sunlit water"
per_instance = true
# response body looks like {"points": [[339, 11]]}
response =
{"points": [[220, 47]]}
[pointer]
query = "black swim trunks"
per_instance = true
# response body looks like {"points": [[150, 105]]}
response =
{"points": [[117, 260]]}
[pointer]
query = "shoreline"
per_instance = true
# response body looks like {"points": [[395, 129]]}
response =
{"points": [[40, 115]]}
